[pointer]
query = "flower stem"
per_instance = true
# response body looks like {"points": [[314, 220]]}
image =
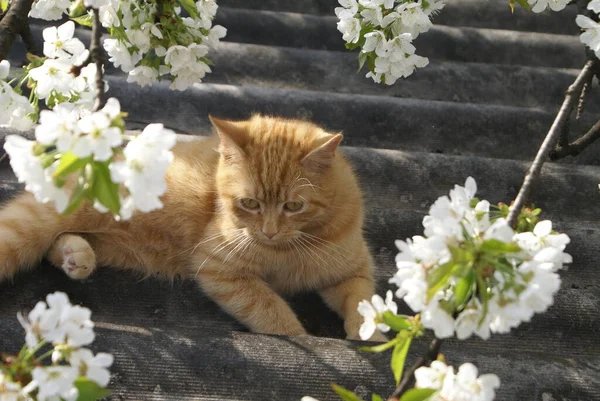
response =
{"points": [[409, 376]]}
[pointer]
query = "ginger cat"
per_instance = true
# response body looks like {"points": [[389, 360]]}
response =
{"points": [[275, 210]]}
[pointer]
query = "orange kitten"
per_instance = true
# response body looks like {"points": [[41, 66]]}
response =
{"points": [[275, 211]]}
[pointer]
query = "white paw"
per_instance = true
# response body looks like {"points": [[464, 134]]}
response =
{"points": [[79, 263]]}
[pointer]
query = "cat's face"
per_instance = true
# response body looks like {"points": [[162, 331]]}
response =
{"points": [[273, 177]]}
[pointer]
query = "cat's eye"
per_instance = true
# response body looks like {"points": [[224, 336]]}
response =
{"points": [[293, 206], [249, 203]]}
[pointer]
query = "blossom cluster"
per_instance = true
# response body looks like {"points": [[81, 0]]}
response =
{"points": [[16, 109], [385, 29], [77, 157], [591, 29], [471, 273], [148, 43], [460, 386], [68, 328], [148, 40]]}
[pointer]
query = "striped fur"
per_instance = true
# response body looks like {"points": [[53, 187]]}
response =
{"points": [[203, 232]]}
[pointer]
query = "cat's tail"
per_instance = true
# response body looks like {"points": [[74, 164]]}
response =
{"points": [[27, 230]]}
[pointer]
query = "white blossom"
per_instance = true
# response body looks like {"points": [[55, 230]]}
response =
{"points": [[60, 43], [594, 5], [94, 367], [147, 157], [96, 3], [120, 55], [433, 376], [371, 311], [49, 9], [53, 383], [465, 385], [435, 318], [28, 169], [58, 125], [100, 136], [4, 69], [9, 391], [53, 75], [14, 108], [541, 5], [591, 36]]}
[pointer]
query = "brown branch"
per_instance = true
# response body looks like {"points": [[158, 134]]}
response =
{"points": [[587, 87], [575, 148], [409, 376], [97, 55], [12, 24], [533, 174], [27, 37]]}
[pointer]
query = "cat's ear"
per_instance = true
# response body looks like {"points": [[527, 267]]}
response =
{"points": [[321, 158], [233, 137]]}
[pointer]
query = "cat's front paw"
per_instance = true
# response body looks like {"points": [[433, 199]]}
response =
{"points": [[79, 259]]}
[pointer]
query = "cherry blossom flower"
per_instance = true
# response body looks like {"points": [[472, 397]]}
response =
{"points": [[60, 43], [147, 157], [554, 5], [94, 367], [371, 312]]}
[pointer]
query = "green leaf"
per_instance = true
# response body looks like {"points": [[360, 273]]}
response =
{"points": [[104, 189], [381, 347], [439, 278], [79, 194], [399, 355], [85, 20], [3, 5], [190, 7], [497, 247], [376, 397], [344, 394], [69, 163], [89, 390], [418, 394], [484, 295], [463, 289], [524, 4], [77, 9], [396, 322], [362, 58]]}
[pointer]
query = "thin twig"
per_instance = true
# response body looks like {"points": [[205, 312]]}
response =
{"points": [[575, 148], [12, 24], [533, 174], [408, 378], [97, 55]]}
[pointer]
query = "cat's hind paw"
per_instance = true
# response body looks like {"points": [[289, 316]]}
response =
{"points": [[74, 256]]}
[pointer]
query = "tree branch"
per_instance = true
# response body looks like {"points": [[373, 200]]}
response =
{"points": [[409, 376], [575, 148], [12, 24], [97, 55], [571, 97]]}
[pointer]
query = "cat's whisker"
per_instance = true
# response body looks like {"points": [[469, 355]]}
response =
{"points": [[294, 243], [224, 244], [307, 248], [240, 243], [213, 237], [328, 244], [339, 259]]}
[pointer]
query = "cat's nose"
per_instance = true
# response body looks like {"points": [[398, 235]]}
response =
{"points": [[270, 233]]}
